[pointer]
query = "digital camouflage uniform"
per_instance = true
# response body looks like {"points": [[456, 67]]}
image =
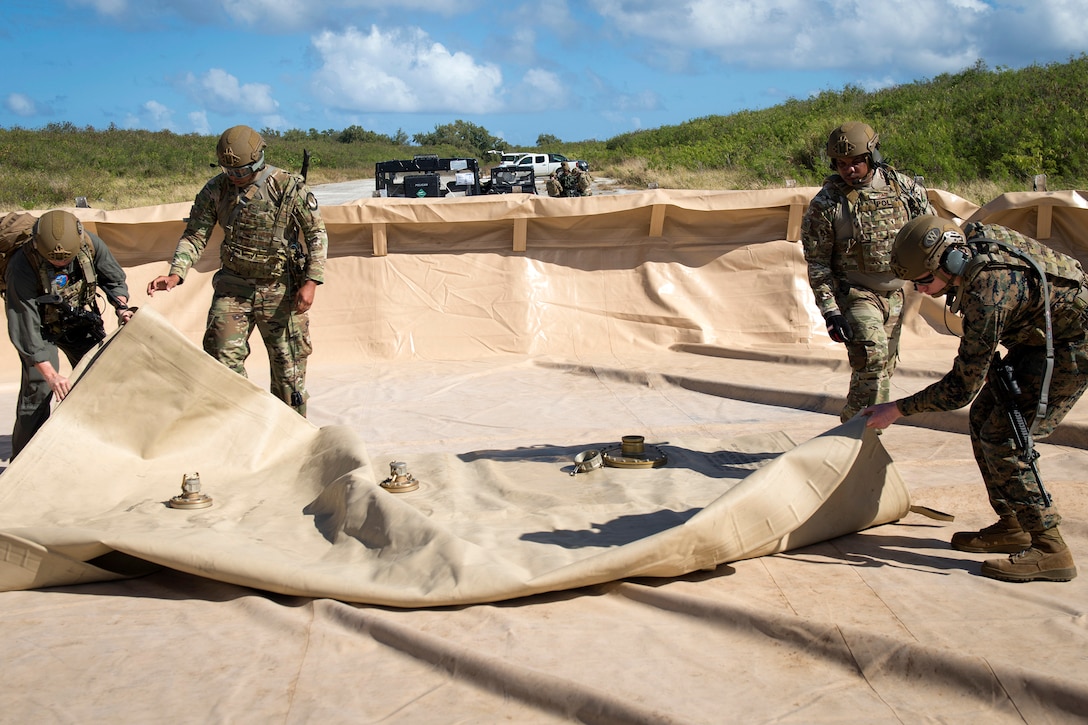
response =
{"points": [[262, 268], [1000, 299], [37, 327], [847, 235]]}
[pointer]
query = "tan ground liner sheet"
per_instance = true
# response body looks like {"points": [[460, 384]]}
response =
{"points": [[770, 570]]}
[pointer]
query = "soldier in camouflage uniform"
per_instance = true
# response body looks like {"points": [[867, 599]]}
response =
{"points": [[53, 282], [272, 257], [996, 279], [847, 235], [570, 181]]}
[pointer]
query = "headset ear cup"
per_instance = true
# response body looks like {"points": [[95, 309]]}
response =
{"points": [[954, 261]]}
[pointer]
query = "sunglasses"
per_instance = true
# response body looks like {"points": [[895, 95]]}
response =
{"points": [[923, 281], [239, 172]]}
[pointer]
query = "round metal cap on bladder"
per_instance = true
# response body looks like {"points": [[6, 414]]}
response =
{"points": [[191, 496], [587, 461], [634, 453], [399, 481]]}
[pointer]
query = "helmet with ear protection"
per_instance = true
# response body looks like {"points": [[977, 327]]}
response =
{"points": [[851, 139], [954, 260], [926, 244]]}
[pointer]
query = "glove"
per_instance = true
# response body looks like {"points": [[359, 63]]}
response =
{"points": [[838, 327]]}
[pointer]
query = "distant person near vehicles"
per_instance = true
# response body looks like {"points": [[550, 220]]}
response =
{"points": [[272, 259], [847, 235], [570, 181], [1013, 291], [52, 304]]}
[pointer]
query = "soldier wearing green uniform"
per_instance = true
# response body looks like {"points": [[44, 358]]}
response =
{"points": [[52, 304], [570, 181], [847, 235], [272, 259], [1013, 291]]}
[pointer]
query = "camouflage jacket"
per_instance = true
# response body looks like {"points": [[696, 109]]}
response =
{"points": [[572, 183], [271, 228], [1000, 299], [849, 232]]}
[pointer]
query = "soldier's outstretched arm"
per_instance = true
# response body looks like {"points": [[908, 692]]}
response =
{"points": [[164, 282]]}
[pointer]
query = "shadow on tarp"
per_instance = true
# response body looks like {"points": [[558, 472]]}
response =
{"points": [[617, 532], [724, 463]]}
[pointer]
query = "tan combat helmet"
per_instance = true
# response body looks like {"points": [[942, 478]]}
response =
{"points": [[851, 139], [58, 235], [240, 146], [921, 245]]}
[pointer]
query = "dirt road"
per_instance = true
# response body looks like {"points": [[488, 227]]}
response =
{"points": [[346, 191]]}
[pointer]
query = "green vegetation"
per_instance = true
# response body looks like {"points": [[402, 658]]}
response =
{"points": [[976, 133], [1001, 126]]}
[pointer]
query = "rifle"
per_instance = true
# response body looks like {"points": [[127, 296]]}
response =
{"points": [[296, 251], [297, 258], [1005, 387]]}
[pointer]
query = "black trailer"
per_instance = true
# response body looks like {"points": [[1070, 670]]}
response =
{"points": [[511, 180], [427, 176]]}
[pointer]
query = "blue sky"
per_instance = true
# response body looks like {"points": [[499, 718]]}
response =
{"points": [[576, 70]]}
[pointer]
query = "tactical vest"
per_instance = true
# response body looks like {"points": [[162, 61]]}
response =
{"points": [[255, 234], [876, 215], [77, 291], [1064, 276]]}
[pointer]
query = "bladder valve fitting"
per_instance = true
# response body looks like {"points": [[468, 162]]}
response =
{"points": [[191, 497], [399, 481]]}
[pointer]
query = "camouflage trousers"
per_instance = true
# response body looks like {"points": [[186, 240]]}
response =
{"points": [[239, 305], [876, 322], [1011, 485]]}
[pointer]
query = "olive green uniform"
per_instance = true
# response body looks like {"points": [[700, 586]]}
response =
{"points": [[33, 321], [847, 235], [1001, 302], [274, 241]]}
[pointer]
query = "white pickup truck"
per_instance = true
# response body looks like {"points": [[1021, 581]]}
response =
{"points": [[542, 164]]}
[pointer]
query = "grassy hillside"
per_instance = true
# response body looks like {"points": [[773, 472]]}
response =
{"points": [[976, 133], [1000, 126]]}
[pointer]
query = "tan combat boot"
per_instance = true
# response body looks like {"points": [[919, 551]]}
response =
{"points": [[1048, 559], [1004, 537]]}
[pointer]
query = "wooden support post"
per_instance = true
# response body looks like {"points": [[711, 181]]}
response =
{"points": [[381, 239], [793, 226], [657, 220], [1044, 218], [521, 232]]}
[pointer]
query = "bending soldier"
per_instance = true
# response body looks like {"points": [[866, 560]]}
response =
{"points": [[272, 259], [847, 235], [1013, 291], [52, 304]]}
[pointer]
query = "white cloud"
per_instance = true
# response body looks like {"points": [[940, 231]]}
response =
{"points": [[158, 115], [198, 121], [151, 115], [21, 105], [543, 90], [266, 15], [1023, 32], [401, 70], [275, 121], [113, 8], [222, 92], [926, 36]]}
